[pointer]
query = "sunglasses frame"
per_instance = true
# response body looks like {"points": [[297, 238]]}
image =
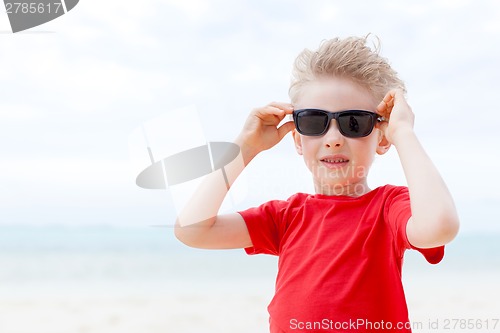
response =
{"points": [[335, 115]]}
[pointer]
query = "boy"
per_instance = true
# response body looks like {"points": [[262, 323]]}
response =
{"points": [[341, 249]]}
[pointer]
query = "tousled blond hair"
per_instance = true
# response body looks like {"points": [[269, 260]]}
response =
{"points": [[348, 58]]}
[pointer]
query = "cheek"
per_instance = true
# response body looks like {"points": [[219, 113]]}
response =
{"points": [[366, 150], [310, 146], [309, 151]]}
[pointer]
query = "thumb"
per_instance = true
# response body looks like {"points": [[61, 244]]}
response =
{"points": [[383, 129], [285, 128], [383, 126]]}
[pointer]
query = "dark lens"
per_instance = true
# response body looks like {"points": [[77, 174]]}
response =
{"points": [[356, 124], [312, 122]]}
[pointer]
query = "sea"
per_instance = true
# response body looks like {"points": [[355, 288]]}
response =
{"points": [[40, 258], [53, 260]]}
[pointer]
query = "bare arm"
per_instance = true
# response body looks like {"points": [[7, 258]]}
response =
{"points": [[434, 220], [198, 224]]}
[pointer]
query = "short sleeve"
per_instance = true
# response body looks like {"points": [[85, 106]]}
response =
{"points": [[264, 225], [398, 212]]}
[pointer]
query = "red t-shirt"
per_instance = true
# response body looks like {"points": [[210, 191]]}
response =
{"points": [[340, 259]]}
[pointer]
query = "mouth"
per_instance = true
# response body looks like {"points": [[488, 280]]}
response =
{"points": [[334, 162]]}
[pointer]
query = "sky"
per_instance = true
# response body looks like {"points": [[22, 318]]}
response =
{"points": [[73, 90]]}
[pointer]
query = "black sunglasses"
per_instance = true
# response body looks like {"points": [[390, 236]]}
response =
{"points": [[352, 123]]}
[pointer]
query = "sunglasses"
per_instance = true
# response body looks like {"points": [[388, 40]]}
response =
{"points": [[352, 123]]}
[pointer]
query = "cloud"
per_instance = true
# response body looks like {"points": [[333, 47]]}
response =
{"points": [[70, 99], [18, 112]]}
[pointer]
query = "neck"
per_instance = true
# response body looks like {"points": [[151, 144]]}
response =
{"points": [[349, 189]]}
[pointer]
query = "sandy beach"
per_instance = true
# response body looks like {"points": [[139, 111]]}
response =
{"points": [[437, 309], [189, 313], [129, 282]]}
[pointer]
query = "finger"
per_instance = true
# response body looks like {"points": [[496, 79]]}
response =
{"points": [[387, 103], [381, 107], [285, 128], [398, 92], [271, 114], [389, 98], [394, 96], [384, 109], [383, 127], [389, 95], [270, 109], [399, 97], [287, 107]]}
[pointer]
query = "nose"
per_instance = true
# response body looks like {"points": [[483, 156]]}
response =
{"points": [[333, 137]]}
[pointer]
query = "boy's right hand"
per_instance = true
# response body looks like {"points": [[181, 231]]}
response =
{"points": [[261, 130]]}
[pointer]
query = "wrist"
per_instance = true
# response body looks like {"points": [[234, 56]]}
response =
{"points": [[247, 152], [402, 135]]}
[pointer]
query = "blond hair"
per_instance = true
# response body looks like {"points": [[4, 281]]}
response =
{"points": [[348, 58]]}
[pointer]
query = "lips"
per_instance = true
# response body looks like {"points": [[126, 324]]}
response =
{"points": [[334, 161]]}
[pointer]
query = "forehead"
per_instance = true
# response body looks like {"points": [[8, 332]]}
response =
{"points": [[335, 94]]}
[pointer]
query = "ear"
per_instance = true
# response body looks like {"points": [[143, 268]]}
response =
{"points": [[297, 139], [383, 144]]}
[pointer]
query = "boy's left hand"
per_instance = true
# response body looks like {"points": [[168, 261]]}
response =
{"points": [[401, 118]]}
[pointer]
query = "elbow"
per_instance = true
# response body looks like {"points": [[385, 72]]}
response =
{"points": [[190, 235], [447, 227], [178, 233], [184, 238], [182, 235], [194, 233], [438, 230]]}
